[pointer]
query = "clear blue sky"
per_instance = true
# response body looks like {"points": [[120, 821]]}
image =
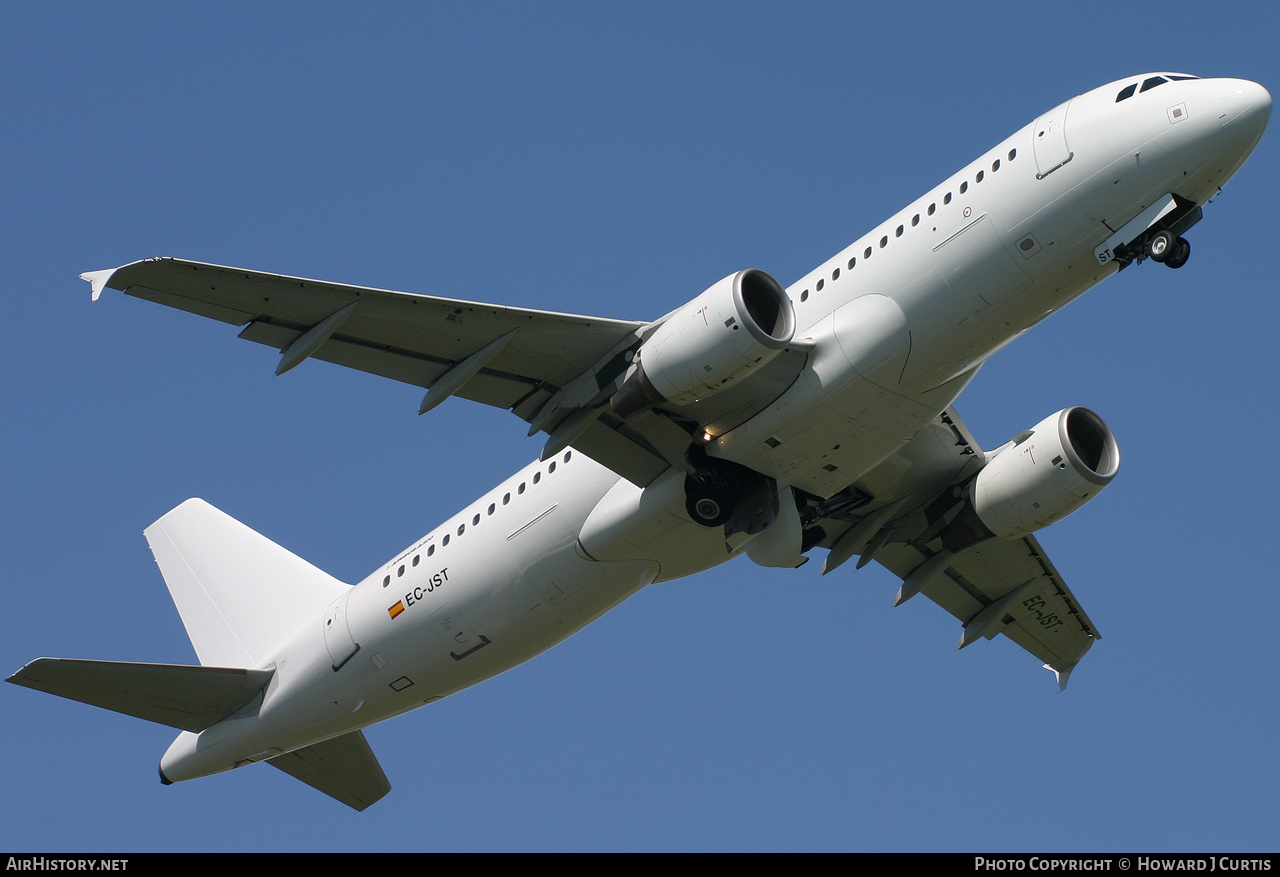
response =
{"points": [[616, 159]]}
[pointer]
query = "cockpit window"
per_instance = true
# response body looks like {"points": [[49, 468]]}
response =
{"points": [[1178, 77], [1153, 82], [1126, 92]]}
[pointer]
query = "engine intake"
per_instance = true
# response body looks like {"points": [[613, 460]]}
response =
{"points": [[727, 332]]}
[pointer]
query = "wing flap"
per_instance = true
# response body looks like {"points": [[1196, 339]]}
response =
{"points": [[344, 768], [181, 696]]}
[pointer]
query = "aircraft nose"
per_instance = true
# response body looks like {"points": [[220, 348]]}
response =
{"points": [[1243, 106]]}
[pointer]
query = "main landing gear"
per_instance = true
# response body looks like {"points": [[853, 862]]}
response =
{"points": [[1166, 248], [719, 493], [709, 500]]}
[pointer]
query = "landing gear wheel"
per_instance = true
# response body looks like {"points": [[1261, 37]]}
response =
{"points": [[1162, 246], [708, 503], [1181, 252]]}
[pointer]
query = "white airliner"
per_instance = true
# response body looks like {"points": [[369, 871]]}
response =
{"points": [[752, 420]]}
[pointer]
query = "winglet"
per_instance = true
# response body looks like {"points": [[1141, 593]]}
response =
{"points": [[1063, 674], [97, 281]]}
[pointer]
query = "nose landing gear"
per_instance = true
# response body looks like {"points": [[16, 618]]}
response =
{"points": [[1166, 248]]}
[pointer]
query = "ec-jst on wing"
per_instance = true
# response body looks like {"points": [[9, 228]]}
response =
{"points": [[992, 585]]}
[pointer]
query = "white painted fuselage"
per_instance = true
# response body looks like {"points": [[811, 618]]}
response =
{"points": [[896, 325]]}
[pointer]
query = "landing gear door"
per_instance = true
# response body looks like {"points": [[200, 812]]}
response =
{"points": [[1050, 141]]}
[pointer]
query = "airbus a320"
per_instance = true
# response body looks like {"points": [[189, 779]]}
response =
{"points": [[756, 419]]}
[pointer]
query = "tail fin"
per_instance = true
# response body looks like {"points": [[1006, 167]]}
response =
{"points": [[240, 595]]}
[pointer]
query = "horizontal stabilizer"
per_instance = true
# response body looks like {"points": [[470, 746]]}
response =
{"points": [[178, 695], [344, 768]]}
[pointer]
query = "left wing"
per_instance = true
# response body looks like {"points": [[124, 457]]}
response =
{"points": [[993, 586]]}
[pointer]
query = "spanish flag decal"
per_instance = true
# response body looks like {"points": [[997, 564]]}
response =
{"points": [[396, 609]]}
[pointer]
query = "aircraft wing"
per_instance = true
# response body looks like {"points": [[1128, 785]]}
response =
{"points": [[993, 587], [513, 358], [555, 371]]}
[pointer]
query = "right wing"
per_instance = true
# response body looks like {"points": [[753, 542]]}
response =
{"points": [[554, 371], [514, 358]]}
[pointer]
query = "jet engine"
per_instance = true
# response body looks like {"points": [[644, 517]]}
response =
{"points": [[1046, 473], [731, 329]]}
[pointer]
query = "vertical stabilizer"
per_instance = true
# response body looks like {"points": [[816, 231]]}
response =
{"points": [[240, 595]]}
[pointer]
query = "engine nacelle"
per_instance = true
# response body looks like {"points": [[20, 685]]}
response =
{"points": [[1064, 461], [730, 330]]}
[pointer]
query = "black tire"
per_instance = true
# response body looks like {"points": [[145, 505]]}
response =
{"points": [[708, 503], [1162, 246], [1181, 253]]}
